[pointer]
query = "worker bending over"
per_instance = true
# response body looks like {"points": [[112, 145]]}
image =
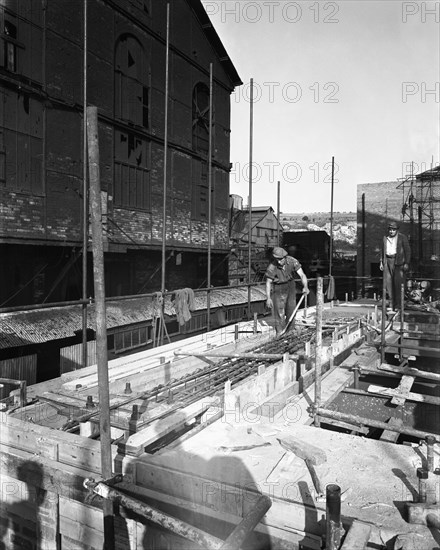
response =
{"points": [[280, 286]]}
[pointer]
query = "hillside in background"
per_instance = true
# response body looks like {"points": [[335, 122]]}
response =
{"points": [[344, 228]]}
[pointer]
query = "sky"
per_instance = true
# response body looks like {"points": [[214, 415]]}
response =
{"points": [[357, 80]]}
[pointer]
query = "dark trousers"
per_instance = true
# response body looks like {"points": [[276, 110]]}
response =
{"points": [[284, 302], [394, 278]]}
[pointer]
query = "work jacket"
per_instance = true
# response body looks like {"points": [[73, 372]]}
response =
{"points": [[403, 250]]}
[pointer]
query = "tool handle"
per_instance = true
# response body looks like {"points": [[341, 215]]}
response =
{"points": [[292, 316], [314, 476]]}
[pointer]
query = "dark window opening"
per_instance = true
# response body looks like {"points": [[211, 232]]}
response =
{"points": [[200, 193], [132, 174], [132, 152], [131, 82], [10, 49], [200, 118]]}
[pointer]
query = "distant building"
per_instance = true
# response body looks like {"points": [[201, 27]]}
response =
{"points": [[266, 232], [41, 145]]}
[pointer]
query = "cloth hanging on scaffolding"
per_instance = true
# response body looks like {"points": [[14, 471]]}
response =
{"points": [[331, 290], [183, 304]]}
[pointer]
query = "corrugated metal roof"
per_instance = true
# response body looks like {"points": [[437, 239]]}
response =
{"points": [[42, 325]]}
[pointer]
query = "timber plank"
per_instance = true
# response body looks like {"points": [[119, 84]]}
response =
{"points": [[403, 389], [136, 443], [390, 436], [391, 392], [78, 532], [160, 371], [42, 441], [410, 371], [357, 537], [50, 475]]}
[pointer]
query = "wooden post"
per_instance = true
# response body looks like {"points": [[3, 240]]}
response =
{"points": [[318, 347], [101, 329]]}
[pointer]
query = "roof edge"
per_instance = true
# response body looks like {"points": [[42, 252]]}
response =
{"points": [[215, 41]]}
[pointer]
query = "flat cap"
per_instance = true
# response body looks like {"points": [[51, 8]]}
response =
{"points": [[278, 253]]}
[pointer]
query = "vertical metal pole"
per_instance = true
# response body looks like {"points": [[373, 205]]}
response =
{"points": [[333, 517], [420, 224], [384, 303], [101, 330], [165, 168], [318, 347], [402, 317], [278, 214], [331, 220], [251, 130], [85, 203], [363, 266], [208, 294]]}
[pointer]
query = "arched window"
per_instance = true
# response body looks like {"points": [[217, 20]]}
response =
{"points": [[132, 150], [200, 118]]}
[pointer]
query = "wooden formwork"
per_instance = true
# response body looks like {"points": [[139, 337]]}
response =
{"points": [[210, 480]]}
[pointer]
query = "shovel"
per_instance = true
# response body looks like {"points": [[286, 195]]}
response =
{"points": [[292, 317]]}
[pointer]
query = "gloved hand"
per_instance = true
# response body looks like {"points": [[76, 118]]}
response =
{"points": [[405, 267], [269, 303]]}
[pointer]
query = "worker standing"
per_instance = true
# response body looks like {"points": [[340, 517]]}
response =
{"points": [[280, 286], [397, 254]]}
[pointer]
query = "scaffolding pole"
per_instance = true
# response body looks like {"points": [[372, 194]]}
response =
{"points": [[165, 167], [251, 130], [331, 221], [85, 203], [208, 294], [278, 214]]}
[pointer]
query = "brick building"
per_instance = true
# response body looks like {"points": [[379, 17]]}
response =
{"points": [[41, 144]]}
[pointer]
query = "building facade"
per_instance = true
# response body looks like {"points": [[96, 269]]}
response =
{"points": [[265, 232], [42, 81]]}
